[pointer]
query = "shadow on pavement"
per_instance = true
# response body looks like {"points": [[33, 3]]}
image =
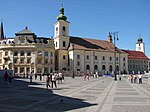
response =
{"points": [[20, 96]]}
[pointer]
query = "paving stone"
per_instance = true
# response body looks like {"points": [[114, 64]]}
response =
{"points": [[129, 99], [126, 93], [130, 108]]}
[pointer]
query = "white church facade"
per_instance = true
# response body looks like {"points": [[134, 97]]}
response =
{"points": [[79, 55]]}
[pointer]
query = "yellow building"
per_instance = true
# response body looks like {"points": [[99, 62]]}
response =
{"points": [[27, 53]]}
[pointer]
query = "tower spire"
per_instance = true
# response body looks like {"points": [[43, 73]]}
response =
{"points": [[61, 15], [1, 31]]}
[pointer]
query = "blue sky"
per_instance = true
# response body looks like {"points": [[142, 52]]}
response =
{"points": [[89, 18]]}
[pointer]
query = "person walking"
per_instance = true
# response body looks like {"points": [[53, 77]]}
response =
{"points": [[6, 77], [60, 78], [54, 80], [140, 79], [10, 77], [31, 77], [47, 81]]}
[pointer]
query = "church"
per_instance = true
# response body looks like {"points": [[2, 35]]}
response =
{"points": [[84, 55]]}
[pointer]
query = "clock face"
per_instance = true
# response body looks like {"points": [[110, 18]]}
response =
{"points": [[139, 48]]}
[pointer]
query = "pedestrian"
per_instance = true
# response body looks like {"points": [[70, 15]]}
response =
{"points": [[10, 78], [60, 78], [135, 78], [47, 81], [131, 78], [6, 77], [140, 79], [84, 77], [35, 76], [40, 77], [54, 80], [27, 75], [88, 75], [31, 77]]}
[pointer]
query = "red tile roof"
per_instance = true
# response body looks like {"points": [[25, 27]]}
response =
{"points": [[136, 55], [92, 44]]}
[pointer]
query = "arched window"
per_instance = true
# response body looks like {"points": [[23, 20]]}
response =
{"points": [[87, 67], [110, 68], [95, 67], [103, 67], [64, 28]]}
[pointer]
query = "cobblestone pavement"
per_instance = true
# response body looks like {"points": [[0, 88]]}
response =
{"points": [[75, 95]]}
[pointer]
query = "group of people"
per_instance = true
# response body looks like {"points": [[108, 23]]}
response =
{"points": [[134, 78], [52, 78]]}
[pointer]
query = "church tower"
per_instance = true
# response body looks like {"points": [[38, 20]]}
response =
{"points": [[61, 31], [61, 41], [61, 27], [140, 46]]}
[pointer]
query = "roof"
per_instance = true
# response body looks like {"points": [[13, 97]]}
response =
{"points": [[92, 44], [136, 55], [25, 32]]}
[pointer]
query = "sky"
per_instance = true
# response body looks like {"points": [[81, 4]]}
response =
{"points": [[88, 19]]}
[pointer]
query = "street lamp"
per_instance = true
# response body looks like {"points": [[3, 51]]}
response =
{"points": [[115, 36], [73, 61]]}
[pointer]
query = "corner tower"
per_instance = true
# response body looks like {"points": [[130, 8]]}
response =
{"points": [[140, 46]]}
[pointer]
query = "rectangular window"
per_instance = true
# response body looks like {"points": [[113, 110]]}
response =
{"points": [[45, 70], [87, 57], [103, 57], [64, 57], [46, 53], [64, 44], [78, 56], [28, 60], [110, 58], [21, 70], [95, 57], [124, 59], [117, 58]]}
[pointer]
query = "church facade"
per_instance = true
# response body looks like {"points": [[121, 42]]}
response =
{"points": [[80, 55]]}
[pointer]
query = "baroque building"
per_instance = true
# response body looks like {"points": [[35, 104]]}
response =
{"points": [[27, 53], [79, 55]]}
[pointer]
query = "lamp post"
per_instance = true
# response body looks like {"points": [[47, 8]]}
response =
{"points": [[73, 61], [93, 62], [115, 36]]}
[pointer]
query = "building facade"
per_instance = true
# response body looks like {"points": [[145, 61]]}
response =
{"points": [[79, 55], [138, 62], [27, 53]]}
